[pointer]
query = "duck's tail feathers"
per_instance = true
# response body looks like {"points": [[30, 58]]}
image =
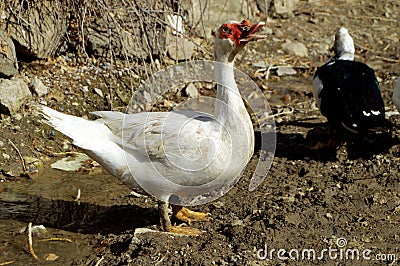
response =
{"points": [[81, 131]]}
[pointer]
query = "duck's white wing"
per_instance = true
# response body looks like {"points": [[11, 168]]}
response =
{"points": [[183, 146], [150, 133]]}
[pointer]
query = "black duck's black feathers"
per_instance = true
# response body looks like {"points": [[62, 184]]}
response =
{"points": [[351, 96]]}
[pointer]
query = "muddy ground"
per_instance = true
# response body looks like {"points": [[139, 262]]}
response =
{"points": [[309, 199]]}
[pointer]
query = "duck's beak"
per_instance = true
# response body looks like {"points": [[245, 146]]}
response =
{"points": [[250, 34]]}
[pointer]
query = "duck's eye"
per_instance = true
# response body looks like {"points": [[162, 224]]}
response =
{"points": [[225, 29]]}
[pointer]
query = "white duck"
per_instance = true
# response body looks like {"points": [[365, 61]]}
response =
{"points": [[165, 152]]}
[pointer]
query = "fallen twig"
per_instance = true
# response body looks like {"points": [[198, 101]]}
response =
{"points": [[78, 197], [7, 262], [390, 60], [30, 242], [19, 154], [56, 239], [268, 71]]}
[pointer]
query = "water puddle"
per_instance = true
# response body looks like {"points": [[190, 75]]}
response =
{"points": [[50, 199]]}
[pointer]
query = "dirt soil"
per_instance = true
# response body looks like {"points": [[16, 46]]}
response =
{"points": [[346, 198]]}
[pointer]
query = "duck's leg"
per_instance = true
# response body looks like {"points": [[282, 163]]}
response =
{"points": [[164, 216], [184, 230]]}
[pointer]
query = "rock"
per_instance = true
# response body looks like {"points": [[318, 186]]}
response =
{"points": [[206, 16], [260, 64], [18, 117], [180, 48], [37, 28], [191, 91], [57, 95], [8, 57], [66, 145], [169, 103], [30, 160], [6, 156], [321, 49], [85, 89], [71, 164], [51, 257], [295, 48], [38, 87], [237, 222], [33, 162], [285, 8], [38, 230], [278, 8], [13, 94], [285, 70], [98, 92]]}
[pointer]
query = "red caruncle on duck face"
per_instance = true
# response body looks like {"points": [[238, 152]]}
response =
{"points": [[240, 32]]}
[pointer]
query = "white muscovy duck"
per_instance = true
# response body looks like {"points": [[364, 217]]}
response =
{"points": [[347, 92], [396, 95], [186, 148]]}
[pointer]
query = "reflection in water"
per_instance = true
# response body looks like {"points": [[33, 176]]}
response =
{"points": [[72, 216]]}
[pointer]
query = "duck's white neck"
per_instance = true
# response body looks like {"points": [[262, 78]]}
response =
{"points": [[229, 106], [345, 56]]}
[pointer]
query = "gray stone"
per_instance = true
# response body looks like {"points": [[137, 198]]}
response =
{"points": [[191, 91], [285, 71], [321, 49], [38, 87], [71, 164], [260, 64], [18, 117], [295, 48], [37, 28], [85, 89], [207, 15], [180, 48], [99, 92], [278, 8], [285, 8], [13, 94], [8, 57]]}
